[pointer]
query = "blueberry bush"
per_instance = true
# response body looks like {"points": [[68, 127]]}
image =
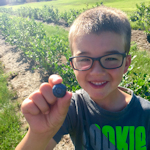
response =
{"points": [[47, 13], [140, 84], [142, 18]]}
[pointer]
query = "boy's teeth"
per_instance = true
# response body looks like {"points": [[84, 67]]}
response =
{"points": [[98, 83]]}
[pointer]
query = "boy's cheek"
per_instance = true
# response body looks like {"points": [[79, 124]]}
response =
{"points": [[76, 73], [79, 75]]}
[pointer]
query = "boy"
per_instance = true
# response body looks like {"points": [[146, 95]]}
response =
{"points": [[100, 116]]}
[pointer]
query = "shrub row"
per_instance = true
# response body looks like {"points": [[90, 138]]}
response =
{"points": [[47, 13], [50, 14]]}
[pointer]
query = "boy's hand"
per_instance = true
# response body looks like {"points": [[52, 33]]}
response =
{"points": [[44, 112]]}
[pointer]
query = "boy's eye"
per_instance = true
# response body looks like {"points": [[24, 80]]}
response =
{"points": [[111, 59], [84, 60]]}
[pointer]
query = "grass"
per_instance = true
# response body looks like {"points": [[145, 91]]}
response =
{"points": [[54, 30], [140, 60], [127, 6], [10, 125], [63, 5]]}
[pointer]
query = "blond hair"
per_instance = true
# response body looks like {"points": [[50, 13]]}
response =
{"points": [[101, 19]]}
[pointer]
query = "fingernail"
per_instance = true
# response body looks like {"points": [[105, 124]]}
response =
{"points": [[47, 112]]}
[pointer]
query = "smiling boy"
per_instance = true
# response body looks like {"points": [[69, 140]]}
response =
{"points": [[100, 116], [102, 84]]}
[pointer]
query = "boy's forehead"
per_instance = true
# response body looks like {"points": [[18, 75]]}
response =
{"points": [[96, 37], [82, 42], [78, 37]]}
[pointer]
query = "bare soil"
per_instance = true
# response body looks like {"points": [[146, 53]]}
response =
{"points": [[24, 80]]}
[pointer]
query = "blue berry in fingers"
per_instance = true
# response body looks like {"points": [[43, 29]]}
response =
{"points": [[59, 90]]}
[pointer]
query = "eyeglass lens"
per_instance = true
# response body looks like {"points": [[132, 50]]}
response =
{"points": [[109, 61]]}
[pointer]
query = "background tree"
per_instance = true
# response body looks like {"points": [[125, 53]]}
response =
{"points": [[3, 2]]}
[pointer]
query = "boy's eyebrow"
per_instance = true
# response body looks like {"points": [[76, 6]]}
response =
{"points": [[112, 52], [82, 53], [107, 52]]}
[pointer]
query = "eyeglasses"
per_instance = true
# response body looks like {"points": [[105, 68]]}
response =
{"points": [[110, 61]]}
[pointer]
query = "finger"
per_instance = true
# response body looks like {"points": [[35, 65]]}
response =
{"points": [[63, 104], [59, 110], [40, 102], [46, 91], [28, 107], [54, 79]]}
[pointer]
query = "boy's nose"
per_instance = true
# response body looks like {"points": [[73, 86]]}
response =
{"points": [[97, 68]]}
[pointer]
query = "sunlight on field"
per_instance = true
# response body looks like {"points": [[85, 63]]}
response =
{"points": [[63, 5], [126, 5], [55, 30]]}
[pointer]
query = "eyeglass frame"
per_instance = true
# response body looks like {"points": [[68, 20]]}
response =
{"points": [[98, 59]]}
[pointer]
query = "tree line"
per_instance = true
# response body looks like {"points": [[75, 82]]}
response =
{"points": [[5, 2]]}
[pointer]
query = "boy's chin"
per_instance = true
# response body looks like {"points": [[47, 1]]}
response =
{"points": [[97, 97]]}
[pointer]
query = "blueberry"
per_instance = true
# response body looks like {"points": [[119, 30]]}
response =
{"points": [[147, 94], [59, 90]]}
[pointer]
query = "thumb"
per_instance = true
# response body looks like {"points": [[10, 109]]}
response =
{"points": [[64, 103]]}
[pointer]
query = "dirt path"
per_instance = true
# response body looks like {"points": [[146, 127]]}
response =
{"points": [[24, 80], [139, 37]]}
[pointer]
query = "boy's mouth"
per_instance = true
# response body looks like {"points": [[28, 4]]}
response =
{"points": [[98, 84]]}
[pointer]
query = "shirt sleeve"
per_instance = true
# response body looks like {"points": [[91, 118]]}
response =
{"points": [[69, 124], [148, 147]]}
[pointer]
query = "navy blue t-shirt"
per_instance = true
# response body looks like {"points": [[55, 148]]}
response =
{"points": [[93, 128]]}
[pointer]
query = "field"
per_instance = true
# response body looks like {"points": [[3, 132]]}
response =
{"points": [[46, 43], [10, 124], [63, 5]]}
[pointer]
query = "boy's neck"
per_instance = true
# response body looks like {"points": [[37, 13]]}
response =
{"points": [[116, 103]]}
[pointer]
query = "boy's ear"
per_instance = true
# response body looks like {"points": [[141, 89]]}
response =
{"points": [[71, 64], [127, 63]]}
